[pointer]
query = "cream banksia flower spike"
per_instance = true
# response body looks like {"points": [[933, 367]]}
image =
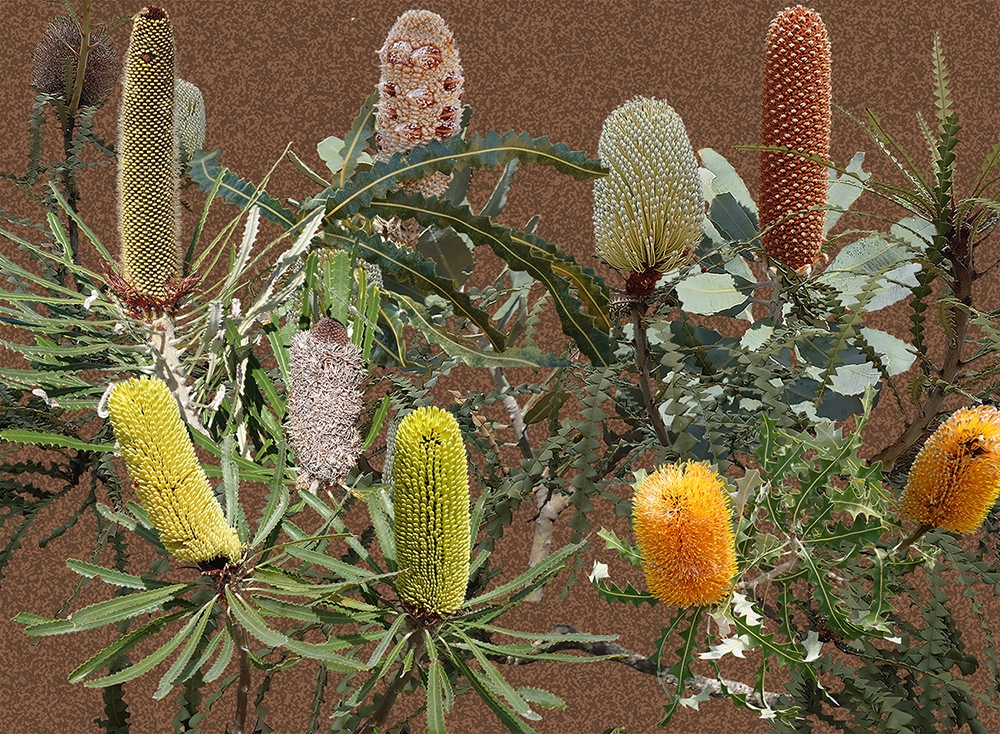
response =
{"points": [[325, 403], [648, 211], [166, 475], [190, 119], [431, 505], [795, 112]]}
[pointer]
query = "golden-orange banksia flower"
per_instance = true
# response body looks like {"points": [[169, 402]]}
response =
{"points": [[795, 112], [681, 518], [955, 478]]}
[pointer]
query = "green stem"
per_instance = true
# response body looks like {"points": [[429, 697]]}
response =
{"points": [[69, 124], [642, 364], [243, 684], [382, 713]]}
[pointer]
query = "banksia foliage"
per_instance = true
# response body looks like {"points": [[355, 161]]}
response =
{"points": [[681, 517], [420, 92], [795, 113], [648, 211], [955, 478], [59, 47], [166, 475], [324, 404], [431, 505], [148, 199], [190, 119]]}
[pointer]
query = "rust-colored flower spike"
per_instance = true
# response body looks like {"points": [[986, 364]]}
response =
{"points": [[148, 197], [420, 92], [324, 404], [681, 517], [168, 480], [795, 113], [955, 478], [61, 44]]}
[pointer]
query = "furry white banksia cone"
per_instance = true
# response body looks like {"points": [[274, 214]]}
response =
{"points": [[420, 92], [190, 119], [324, 403]]}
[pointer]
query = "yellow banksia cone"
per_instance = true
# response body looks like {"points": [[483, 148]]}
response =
{"points": [[166, 475], [190, 119], [648, 211], [420, 91], [681, 518], [60, 44], [148, 197], [955, 479], [431, 505], [795, 112]]}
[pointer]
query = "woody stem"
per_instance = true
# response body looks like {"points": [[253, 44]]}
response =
{"points": [[638, 309]]}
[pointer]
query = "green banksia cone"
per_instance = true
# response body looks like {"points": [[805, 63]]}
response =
{"points": [[420, 92], [431, 505], [148, 198], [648, 211], [795, 112], [190, 119], [60, 45], [325, 403], [166, 475]]}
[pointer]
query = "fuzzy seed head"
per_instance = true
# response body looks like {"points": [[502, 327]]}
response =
{"points": [[795, 112], [648, 211], [955, 478], [166, 475], [60, 44], [148, 164], [681, 517], [420, 91], [431, 505], [325, 402], [190, 119]]}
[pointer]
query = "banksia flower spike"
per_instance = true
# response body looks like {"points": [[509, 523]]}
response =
{"points": [[324, 404], [648, 211], [60, 45], [431, 505], [955, 478], [148, 197], [166, 475], [190, 119], [420, 92], [681, 517], [795, 112]]}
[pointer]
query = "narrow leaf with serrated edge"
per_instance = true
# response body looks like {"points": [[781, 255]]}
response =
{"points": [[108, 612]]}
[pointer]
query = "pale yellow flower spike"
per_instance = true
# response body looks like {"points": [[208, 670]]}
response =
{"points": [[166, 475]]}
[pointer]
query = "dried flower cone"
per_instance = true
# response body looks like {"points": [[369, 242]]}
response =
{"points": [[648, 211], [431, 508], [166, 475], [325, 401], [148, 199], [190, 119], [955, 479], [60, 44], [420, 91], [681, 517], [795, 113]]}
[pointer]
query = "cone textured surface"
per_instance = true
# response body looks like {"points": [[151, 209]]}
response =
{"points": [[648, 211], [166, 475], [190, 119], [431, 505], [795, 112], [48, 73]]}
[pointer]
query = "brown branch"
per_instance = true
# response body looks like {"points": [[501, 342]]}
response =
{"points": [[549, 509], [374, 724], [243, 684]]}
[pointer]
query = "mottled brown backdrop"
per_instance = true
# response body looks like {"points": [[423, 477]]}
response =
{"points": [[274, 72]]}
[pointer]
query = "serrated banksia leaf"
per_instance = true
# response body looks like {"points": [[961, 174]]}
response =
{"points": [[955, 479], [59, 46], [190, 119], [168, 480], [795, 112], [431, 506], [325, 402], [681, 518], [420, 91], [648, 211], [148, 197]]}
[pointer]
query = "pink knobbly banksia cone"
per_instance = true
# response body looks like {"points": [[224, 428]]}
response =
{"points": [[795, 113]]}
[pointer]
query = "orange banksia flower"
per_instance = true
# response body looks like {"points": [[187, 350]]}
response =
{"points": [[681, 517], [795, 112], [955, 478]]}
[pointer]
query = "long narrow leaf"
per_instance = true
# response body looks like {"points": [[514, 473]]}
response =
{"points": [[108, 612]]}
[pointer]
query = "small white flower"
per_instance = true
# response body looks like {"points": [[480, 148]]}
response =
{"points": [[729, 646], [600, 572], [768, 713], [235, 308], [743, 607], [94, 295]]}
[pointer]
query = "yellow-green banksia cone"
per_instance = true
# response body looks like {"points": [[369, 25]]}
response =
{"points": [[190, 119], [431, 505], [648, 211], [166, 475], [148, 197]]}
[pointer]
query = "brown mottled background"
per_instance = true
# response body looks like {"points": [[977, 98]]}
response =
{"points": [[297, 71]]}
